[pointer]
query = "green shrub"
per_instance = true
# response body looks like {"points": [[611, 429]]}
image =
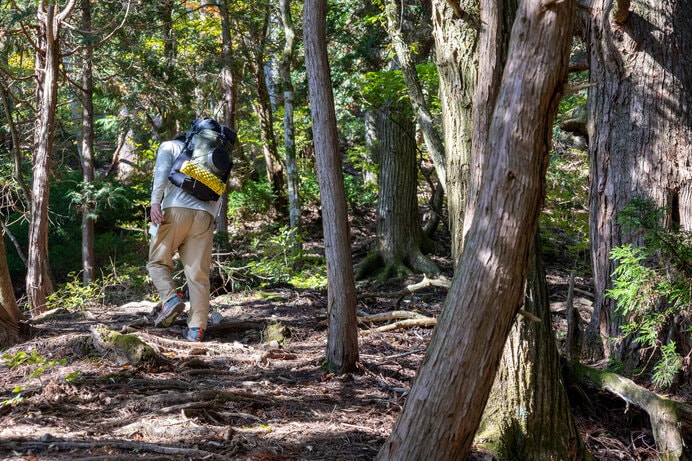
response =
{"points": [[652, 285]]}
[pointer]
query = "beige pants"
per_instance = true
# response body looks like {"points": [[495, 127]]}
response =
{"points": [[190, 233]]}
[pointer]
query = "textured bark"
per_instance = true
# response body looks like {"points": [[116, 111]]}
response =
{"points": [[399, 232], [38, 282], [528, 416], [444, 407], [640, 110], [497, 18], [342, 340], [456, 54], [415, 91]]}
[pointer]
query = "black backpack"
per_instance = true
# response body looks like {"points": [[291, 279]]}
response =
{"points": [[203, 166]]}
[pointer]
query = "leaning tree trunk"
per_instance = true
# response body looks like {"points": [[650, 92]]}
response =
{"points": [[399, 232], [342, 341], [640, 107], [444, 407], [528, 415]]}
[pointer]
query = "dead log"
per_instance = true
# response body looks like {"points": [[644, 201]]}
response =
{"points": [[670, 419]]}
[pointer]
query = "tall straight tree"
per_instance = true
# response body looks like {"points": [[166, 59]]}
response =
{"points": [[444, 407], [640, 130], [400, 237], [285, 66], [87, 150], [50, 21], [229, 86], [342, 341]]}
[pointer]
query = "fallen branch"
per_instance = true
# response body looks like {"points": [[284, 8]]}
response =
{"points": [[442, 282], [426, 322], [52, 444], [669, 418]]}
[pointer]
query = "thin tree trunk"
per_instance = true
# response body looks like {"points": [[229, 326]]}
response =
{"points": [[342, 341], [444, 407], [230, 100], [289, 129], [87, 151]]}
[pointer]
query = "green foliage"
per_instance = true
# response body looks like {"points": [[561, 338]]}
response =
{"points": [[36, 361], [652, 284], [254, 197], [281, 260], [358, 193], [564, 223], [109, 289]]}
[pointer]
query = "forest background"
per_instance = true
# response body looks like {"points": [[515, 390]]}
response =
{"points": [[90, 89]]}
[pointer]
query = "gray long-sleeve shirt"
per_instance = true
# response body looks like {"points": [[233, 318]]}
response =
{"points": [[165, 192]]}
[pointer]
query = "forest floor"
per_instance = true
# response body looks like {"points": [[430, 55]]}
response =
{"points": [[238, 396]]}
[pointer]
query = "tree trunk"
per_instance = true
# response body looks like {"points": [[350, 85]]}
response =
{"points": [[415, 92], [640, 107], [38, 282], [444, 407], [87, 150], [497, 18], [456, 52], [230, 102], [342, 341], [7, 299], [399, 233], [528, 416], [292, 176]]}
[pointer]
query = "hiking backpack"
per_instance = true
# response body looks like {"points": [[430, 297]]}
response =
{"points": [[203, 166]]}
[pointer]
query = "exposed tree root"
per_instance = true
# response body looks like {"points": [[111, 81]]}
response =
{"points": [[670, 419]]}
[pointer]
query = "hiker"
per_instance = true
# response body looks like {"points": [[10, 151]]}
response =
{"points": [[183, 218]]}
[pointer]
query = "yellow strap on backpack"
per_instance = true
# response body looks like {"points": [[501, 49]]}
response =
{"points": [[205, 177]]}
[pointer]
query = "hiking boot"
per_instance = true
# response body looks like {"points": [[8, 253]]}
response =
{"points": [[169, 311], [193, 334]]}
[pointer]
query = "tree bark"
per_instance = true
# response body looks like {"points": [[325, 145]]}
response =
{"points": [[640, 107], [342, 340], [38, 281], [456, 54], [230, 102], [292, 176], [415, 92], [399, 233], [87, 150], [528, 415], [446, 402]]}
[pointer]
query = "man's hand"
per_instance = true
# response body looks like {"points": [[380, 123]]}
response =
{"points": [[156, 214]]}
